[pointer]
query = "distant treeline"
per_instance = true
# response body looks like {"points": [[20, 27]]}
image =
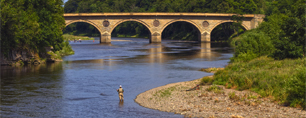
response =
{"points": [[177, 30]]}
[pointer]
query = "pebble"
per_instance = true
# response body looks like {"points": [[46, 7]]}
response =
{"points": [[201, 103]]}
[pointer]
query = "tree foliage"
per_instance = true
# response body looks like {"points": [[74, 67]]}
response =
{"points": [[291, 40], [284, 27], [251, 45], [31, 25]]}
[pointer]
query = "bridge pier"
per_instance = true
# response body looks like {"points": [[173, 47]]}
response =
{"points": [[155, 38], [205, 37], [105, 38]]}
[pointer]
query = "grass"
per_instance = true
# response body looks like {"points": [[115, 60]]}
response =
{"points": [[206, 81], [281, 80], [251, 96], [233, 96], [211, 70], [164, 93], [72, 37], [215, 89], [130, 36]]}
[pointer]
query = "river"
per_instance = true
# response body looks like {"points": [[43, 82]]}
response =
{"points": [[84, 84]]}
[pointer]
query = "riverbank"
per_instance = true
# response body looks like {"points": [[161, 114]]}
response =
{"points": [[213, 101], [23, 57], [73, 37]]}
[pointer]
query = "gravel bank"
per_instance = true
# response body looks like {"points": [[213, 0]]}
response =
{"points": [[217, 102]]}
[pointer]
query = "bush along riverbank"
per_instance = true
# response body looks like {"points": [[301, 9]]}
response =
{"points": [[57, 55], [287, 88], [23, 57], [283, 81]]}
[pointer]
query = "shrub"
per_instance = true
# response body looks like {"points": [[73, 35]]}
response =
{"points": [[282, 80], [296, 88], [206, 81], [215, 89], [67, 49], [233, 96], [251, 45]]}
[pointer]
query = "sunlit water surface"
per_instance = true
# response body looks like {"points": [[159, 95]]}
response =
{"points": [[84, 84]]}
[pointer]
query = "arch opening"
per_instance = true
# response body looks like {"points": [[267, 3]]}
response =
{"points": [[226, 30], [131, 29], [181, 30], [81, 28]]}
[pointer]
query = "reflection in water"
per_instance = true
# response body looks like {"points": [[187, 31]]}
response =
{"points": [[206, 51], [84, 84], [121, 103], [110, 62], [160, 53], [20, 85], [24, 70], [155, 53]]}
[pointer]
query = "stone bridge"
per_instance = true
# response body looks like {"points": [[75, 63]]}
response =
{"points": [[157, 22]]}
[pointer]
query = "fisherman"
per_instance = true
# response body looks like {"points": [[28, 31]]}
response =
{"points": [[120, 93]]}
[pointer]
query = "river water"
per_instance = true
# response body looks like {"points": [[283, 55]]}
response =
{"points": [[84, 84]]}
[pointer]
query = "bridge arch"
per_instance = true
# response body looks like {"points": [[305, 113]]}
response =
{"points": [[85, 21], [179, 20], [227, 21], [126, 20], [199, 29], [216, 35]]}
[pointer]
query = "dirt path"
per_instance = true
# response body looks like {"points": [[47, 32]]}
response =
{"points": [[213, 101]]}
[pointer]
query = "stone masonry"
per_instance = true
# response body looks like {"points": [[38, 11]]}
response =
{"points": [[157, 22]]}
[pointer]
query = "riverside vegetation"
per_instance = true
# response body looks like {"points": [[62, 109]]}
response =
{"points": [[270, 60], [66, 50], [32, 30], [283, 80], [69, 37]]}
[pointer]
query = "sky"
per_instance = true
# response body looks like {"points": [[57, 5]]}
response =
{"points": [[65, 1]]}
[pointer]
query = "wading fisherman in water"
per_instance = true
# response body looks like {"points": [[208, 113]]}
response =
{"points": [[120, 93]]}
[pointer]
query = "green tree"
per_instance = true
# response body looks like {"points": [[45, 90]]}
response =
{"points": [[291, 42], [71, 6], [51, 22], [19, 24], [31, 25], [285, 26]]}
